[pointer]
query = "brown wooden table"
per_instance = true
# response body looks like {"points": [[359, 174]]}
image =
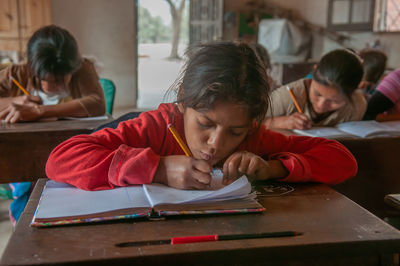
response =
{"points": [[25, 147], [378, 174], [336, 230]]}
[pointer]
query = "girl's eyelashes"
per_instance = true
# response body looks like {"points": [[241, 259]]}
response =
{"points": [[236, 134], [204, 124]]}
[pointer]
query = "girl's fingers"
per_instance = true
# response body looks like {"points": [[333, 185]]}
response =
{"points": [[10, 116], [203, 178], [244, 163], [3, 114], [202, 166], [230, 168]]}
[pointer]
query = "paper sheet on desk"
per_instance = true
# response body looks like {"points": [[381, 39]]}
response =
{"points": [[158, 194], [92, 118]]}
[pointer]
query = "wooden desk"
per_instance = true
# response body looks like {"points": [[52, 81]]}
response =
{"points": [[378, 172], [336, 230], [25, 147]]}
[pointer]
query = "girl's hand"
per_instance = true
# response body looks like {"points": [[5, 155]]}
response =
{"points": [[183, 172], [17, 112], [297, 121], [251, 165], [22, 100]]}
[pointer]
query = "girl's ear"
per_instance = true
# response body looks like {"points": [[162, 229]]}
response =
{"points": [[181, 108]]}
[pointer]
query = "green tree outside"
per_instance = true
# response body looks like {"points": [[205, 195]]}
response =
{"points": [[151, 29]]}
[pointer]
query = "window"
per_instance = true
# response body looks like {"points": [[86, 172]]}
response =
{"points": [[351, 15], [388, 16], [205, 20]]}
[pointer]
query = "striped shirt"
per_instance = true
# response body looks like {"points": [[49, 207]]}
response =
{"points": [[390, 87]]}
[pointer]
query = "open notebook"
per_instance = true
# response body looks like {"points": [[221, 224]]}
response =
{"points": [[355, 129], [64, 204]]}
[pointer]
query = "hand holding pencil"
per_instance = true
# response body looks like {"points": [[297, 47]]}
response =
{"points": [[22, 108], [297, 120], [183, 172]]}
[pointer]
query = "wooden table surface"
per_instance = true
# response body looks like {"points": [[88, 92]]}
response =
{"points": [[25, 147], [336, 230], [378, 172]]}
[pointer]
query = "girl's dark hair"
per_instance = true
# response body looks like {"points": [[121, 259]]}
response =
{"points": [[340, 69], [52, 51], [374, 63], [223, 71]]}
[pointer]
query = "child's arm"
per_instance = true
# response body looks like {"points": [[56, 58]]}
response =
{"points": [[108, 158], [31, 111], [306, 159], [313, 159], [128, 155], [293, 121]]}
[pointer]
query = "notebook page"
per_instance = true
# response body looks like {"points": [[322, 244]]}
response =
{"points": [[63, 200], [366, 128], [392, 125], [91, 118], [161, 194], [326, 132]]}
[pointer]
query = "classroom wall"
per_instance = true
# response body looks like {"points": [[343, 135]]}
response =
{"points": [[104, 29], [316, 12]]}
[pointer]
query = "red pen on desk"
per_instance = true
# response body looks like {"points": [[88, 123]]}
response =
{"points": [[196, 239]]}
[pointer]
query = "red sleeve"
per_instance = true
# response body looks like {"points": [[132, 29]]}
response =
{"points": [[110, 157], [309, 159]]}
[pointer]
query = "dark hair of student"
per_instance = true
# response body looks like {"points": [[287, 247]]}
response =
{"points": [[224, 71], [374, 63], [340, 69], [52, 51]]}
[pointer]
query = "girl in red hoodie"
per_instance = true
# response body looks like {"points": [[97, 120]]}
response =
{"points": [[222, 99]]}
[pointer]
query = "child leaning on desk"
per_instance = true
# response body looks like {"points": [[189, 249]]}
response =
{"points": [[329, 98], [222, 98], [54, 82]]}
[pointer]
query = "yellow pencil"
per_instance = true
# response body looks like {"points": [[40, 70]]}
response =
{"points": [[179, 140], [294, 100], [19, 86]]}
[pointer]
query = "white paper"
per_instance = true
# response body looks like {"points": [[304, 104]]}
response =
{"points": [[62, 200], [160, 194], [325, 132], [91, 118], [369, 128], [353, 129]]}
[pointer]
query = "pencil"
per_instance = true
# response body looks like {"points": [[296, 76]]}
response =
{"points": [[294, 100], [206, 238], [19, 86], [179, 140]]}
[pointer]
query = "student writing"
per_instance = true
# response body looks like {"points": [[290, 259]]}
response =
{"points": [[60, 82], [222, 99], [327, 99]]}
